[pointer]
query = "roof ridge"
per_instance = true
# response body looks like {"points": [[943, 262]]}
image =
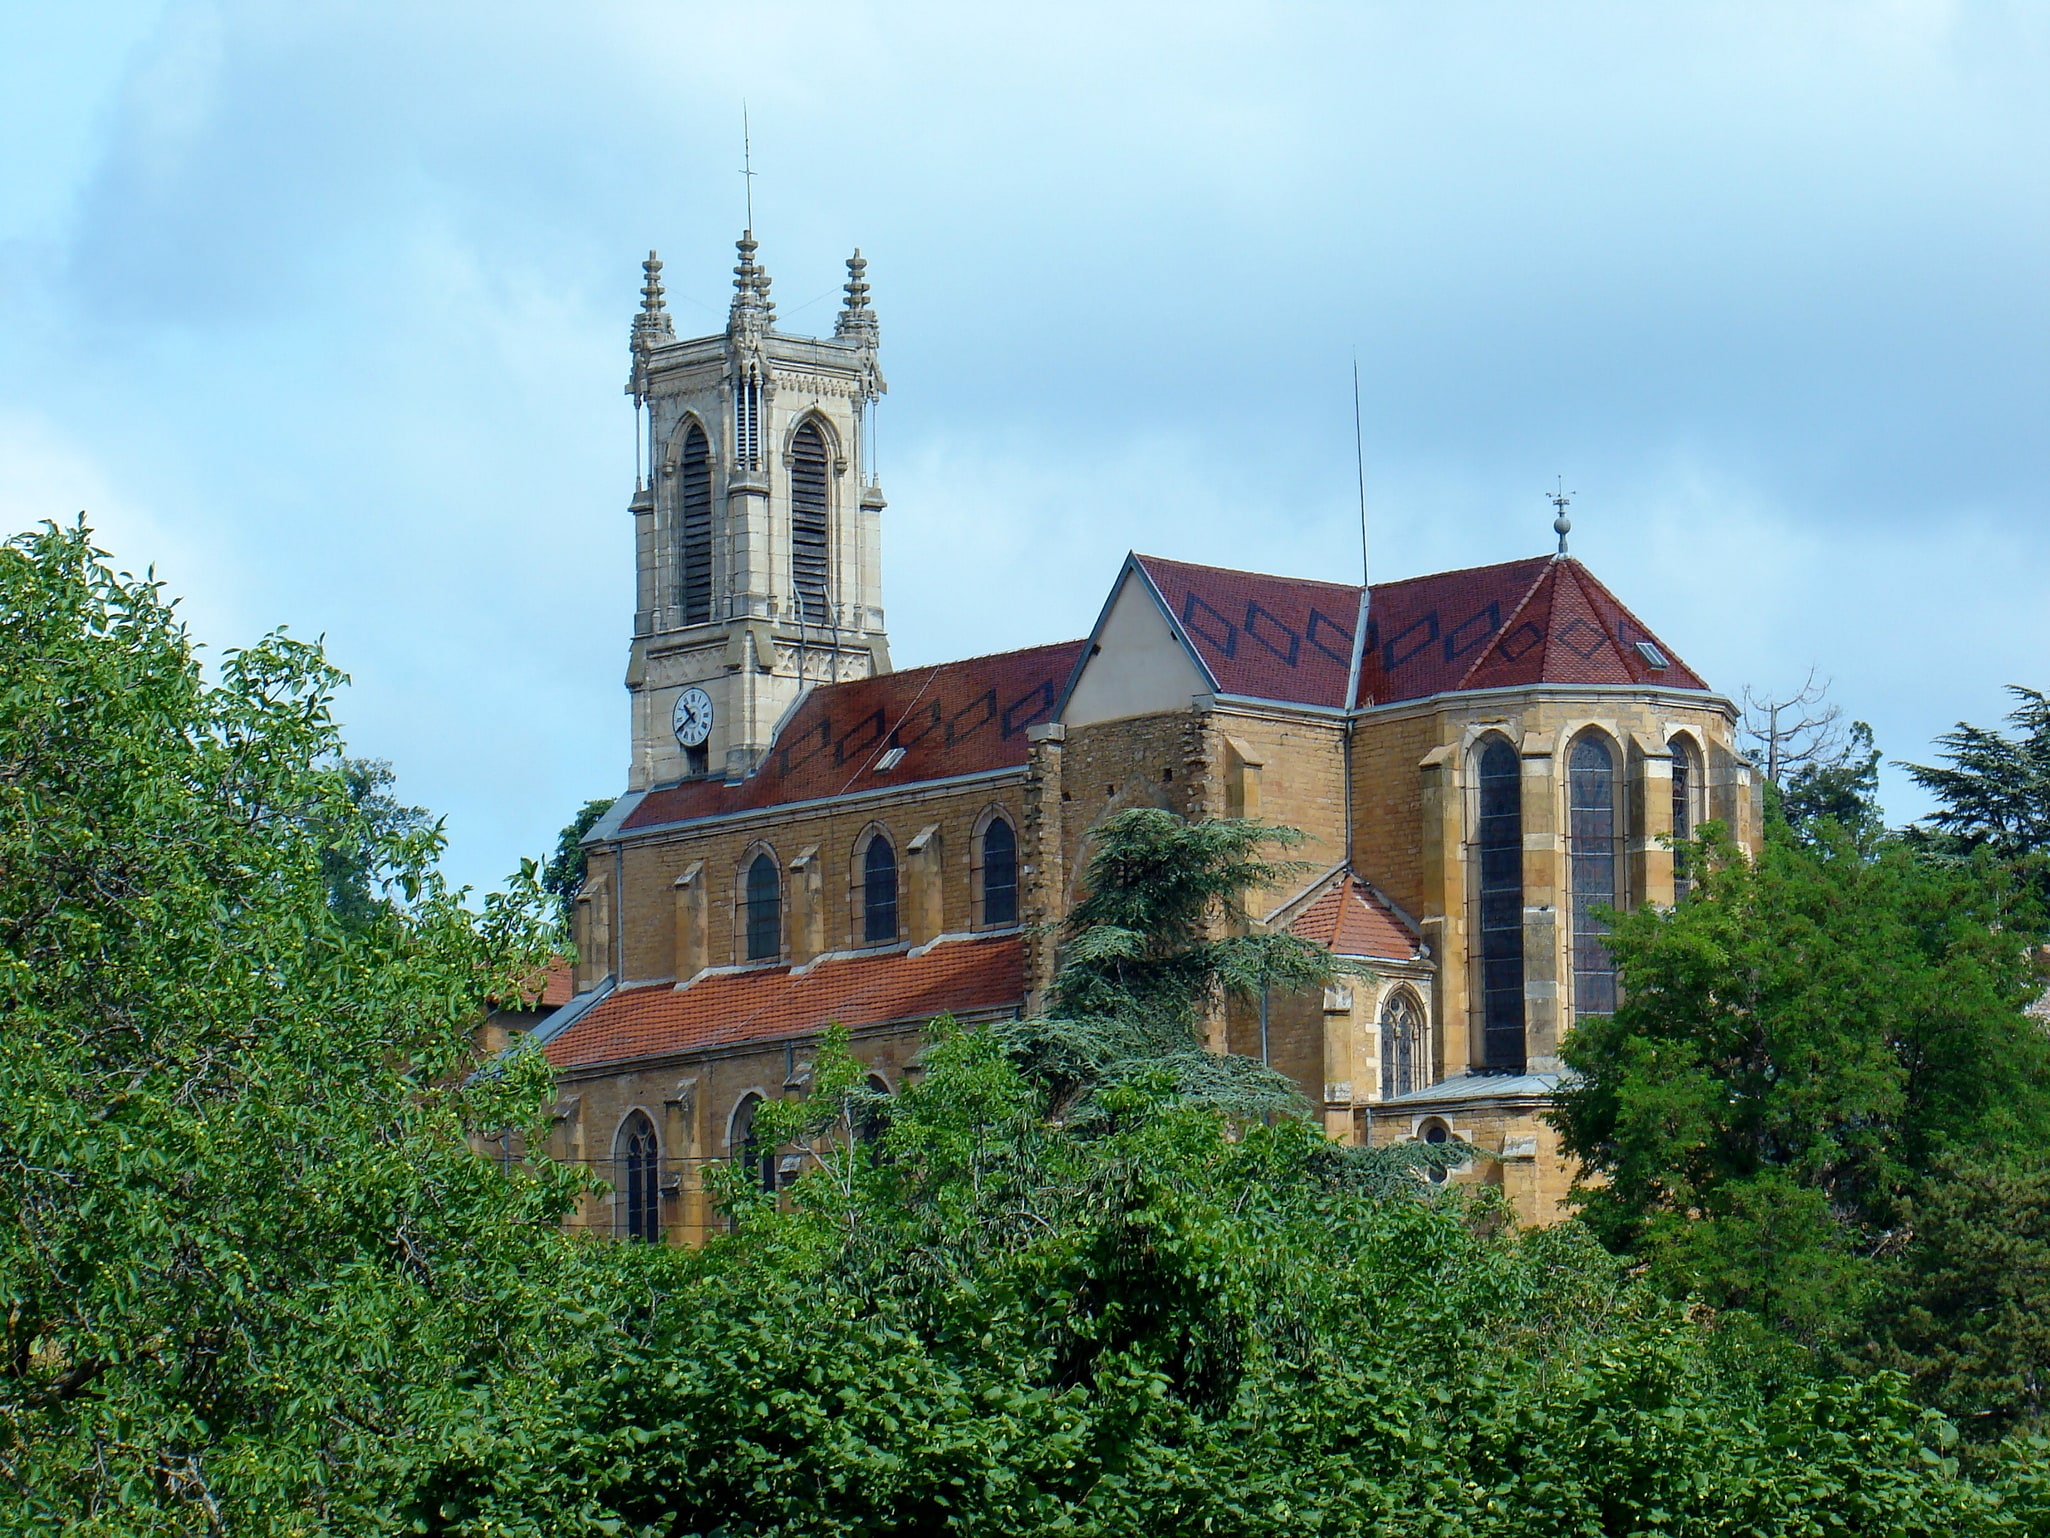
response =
{"points": [[1459, 571], [1246, 571], [1585, 575], [1508, 625]]}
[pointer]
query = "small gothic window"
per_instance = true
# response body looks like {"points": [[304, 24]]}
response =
{"points": [[878, 892], [637, 1169], [747, 421], [1402, 1044], [1593, 850], [999, 873], [808, 562], [695, 495], [1683, 813], [746, 1148], [764, 910], [1499, 854]]}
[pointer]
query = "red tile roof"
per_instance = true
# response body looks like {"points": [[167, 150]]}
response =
{"points": [[952, 718], [981, 974], [1352, 919], [1542, 620], [1272, 638]]}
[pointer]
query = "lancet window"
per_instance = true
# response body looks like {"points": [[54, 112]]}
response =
{"points": [[637, 1171], [878, 891], [1686, 780], [1498, 856], [764, 910], [999, 873], [1402, 1045], [1594, 850]]}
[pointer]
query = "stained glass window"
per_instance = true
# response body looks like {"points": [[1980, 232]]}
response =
{"points": [[878, 892], [1593, 850], [1499, 855], [999, 873], [637, 1167], [764, 911]]}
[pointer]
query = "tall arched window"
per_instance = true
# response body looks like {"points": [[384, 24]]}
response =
{"points": [[878, 891], [764, 910], [1685, 782], [637, 1169], [808, 522], [1499, 855], [694, 470], [746, 1149], [999, 873], [1592, 846], [1402, 1045]]}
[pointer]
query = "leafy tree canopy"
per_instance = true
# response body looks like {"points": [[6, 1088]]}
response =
{"points": [[1159, 937], [1993, 790], [986, 1322], [563, 876], [250, 1265]]}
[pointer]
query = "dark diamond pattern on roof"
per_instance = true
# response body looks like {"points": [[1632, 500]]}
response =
{"points": [[952, 718], [1542, 620], [983, 976]]}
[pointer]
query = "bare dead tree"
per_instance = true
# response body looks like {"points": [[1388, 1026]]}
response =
{"points": [[1804, 727]]}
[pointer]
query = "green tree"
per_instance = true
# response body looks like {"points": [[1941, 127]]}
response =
{"points": [[1993, 790], [1160, 936], [990, 1323], [355, 854], [1840, 789], [563, 876], [1799, 1044], [251, 1272], [1964, 1305]]}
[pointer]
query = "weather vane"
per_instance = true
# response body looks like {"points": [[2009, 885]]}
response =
{"points": [[1559, 497]]}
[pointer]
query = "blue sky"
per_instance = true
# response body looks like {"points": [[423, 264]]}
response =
{"points": [[322, 310]]}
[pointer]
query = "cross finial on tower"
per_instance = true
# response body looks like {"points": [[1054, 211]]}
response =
{"points": [[747, 165], [1559, 497]]}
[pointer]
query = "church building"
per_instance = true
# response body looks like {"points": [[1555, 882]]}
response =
{"points": [[1481, 761]]}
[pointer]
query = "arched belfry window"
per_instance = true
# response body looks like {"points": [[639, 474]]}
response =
{"points": [[999, 873], [1498, 858], [637, 1173], [878, 891], [764, 910], [745, 1147], [1402, 1045], [808, 523], [694, 495], [1594, 850], [1686, 785]]}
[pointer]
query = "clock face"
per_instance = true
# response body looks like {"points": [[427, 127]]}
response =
{"points": [[693, 717]]}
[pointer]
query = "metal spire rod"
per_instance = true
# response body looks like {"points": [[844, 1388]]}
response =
{"points": [[747, 163]]}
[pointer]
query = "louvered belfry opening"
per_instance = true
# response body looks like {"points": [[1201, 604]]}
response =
{"points": [[1499, 849], [808, 523], [747, 421], [695, 471]]}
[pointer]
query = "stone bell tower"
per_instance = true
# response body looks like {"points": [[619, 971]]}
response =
{"points": [[757, 531]]}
